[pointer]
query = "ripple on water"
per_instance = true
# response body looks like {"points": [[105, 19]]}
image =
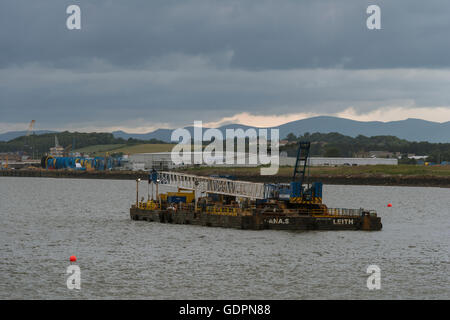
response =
{"points": [[44, 221]]}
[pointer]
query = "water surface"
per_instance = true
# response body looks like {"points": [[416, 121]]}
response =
{"points": [[45, 220]]}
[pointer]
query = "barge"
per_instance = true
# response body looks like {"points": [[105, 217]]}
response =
{"points": [[223, 202], [258, 218]]}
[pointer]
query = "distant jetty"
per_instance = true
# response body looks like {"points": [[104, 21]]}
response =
{"points": [[347, 179]]}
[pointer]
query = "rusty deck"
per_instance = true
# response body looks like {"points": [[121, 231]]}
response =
{"points": [[259, 221]]}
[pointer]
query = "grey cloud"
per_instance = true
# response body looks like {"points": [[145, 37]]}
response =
{"points": [[169, 61], [183, 95], [262, 34]]}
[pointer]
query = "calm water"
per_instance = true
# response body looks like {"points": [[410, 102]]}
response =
{"points": [[44, 221]]}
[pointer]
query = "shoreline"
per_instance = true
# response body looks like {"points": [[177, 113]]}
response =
{"points": [[336, 179]]}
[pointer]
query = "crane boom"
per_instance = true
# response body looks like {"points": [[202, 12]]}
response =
{"points": [[297, 192], [300, 193], [302, 155], [241, 189], [30, 127]]}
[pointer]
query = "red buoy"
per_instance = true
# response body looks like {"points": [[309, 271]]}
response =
{"points": [[73, 258], [389, 205]]}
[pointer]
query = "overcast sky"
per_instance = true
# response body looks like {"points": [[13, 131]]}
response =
{"points": [[138, 65]]}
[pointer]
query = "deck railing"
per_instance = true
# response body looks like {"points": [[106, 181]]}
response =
{"points": [[345, 212], [233, 211]]}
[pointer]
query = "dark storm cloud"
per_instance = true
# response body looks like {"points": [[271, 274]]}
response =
{"points": [[176, 61], [262, 34], [182, 96]]}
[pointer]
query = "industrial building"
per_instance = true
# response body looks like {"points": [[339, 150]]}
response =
{"points": [[57, 150], [145, 161], [322, 161], [163, 161]]}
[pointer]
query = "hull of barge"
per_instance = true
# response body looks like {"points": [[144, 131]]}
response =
{"points": [[259, 221]]}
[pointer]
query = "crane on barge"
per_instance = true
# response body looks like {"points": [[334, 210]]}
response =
{"points": [[299, 193], [309, 195], [221, 202]]}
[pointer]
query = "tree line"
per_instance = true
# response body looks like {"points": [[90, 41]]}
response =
{"points": [[322, 144], [338, 145], [41, 144]]}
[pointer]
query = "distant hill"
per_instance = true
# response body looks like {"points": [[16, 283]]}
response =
{"points": [[95, 142], [15, 134], [39, 144], [359, 139], [409, 129], [165, 134], [159, 134]]}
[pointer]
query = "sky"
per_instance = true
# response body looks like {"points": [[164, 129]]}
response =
{"points": [[139, 65]]}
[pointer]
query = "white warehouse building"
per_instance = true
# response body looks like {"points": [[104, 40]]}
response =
{"points": [[321, 161], [163, 161]]}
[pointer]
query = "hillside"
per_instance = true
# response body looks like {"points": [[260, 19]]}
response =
{"points": [[95, 142], [322, 144], [100, 150], [10, 135], [409, 129], [338, 145]]}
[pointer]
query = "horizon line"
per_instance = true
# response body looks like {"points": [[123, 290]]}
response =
{"points": [[221, 125]]}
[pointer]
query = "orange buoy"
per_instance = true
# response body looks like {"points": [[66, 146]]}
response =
{"points": [[73, 258]]}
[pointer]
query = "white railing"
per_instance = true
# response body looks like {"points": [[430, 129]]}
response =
{"points": [[345, 212]]}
